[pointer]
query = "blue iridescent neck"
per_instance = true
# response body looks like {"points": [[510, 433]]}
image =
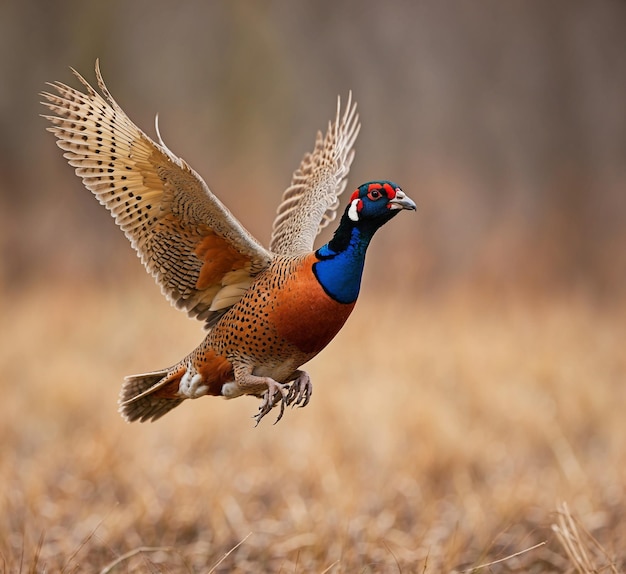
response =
{"points": [[341, 262]]}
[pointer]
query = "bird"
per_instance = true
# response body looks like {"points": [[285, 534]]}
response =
{"points": [[267, 311]]}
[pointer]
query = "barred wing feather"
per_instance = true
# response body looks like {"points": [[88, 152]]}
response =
{"points": [[310, 203], [199, 254]]}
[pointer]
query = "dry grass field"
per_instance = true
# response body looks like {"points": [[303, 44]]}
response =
{"points": [[471, 415], [457, 434]]}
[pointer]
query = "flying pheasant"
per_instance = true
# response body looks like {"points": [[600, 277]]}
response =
{"points": [[267, 311]]}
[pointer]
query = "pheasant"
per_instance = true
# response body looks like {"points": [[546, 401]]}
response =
{"points": [[267, 311]]}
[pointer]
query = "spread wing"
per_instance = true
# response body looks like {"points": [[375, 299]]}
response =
{"points": [[310, 203], [200, 255]]}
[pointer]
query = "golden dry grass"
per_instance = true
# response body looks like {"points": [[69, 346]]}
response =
{"points": [[442, 436]]}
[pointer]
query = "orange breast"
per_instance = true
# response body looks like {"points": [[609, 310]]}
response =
{"points": [[304, 315]]}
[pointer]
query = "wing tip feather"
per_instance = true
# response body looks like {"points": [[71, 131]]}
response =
{"points": [[333, 152]]}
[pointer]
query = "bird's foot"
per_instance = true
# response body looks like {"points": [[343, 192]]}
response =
{"points": [[275, 392], [300, 391]]}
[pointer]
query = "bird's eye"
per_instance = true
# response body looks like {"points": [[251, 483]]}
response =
{"points": [[374, 194]]}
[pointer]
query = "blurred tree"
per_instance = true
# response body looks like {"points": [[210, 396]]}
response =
{"points": [[504, 119]]}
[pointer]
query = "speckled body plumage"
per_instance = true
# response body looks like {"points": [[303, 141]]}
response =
{"points": [[282, 321], [267, 311]]}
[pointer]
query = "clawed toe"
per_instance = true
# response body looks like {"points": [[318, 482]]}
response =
{"points": [[276, 392], [297, 394], [300, 391]]}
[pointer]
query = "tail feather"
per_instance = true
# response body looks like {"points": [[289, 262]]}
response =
{"points": [[137, 399]]}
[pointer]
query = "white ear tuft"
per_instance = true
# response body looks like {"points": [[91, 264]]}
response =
{"points": [[353, 214]]}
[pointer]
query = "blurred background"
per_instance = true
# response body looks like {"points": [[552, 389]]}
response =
{"points": [[505, 121], [502, 393]]}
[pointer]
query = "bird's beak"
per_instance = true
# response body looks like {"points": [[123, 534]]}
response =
{"points": [[401, 201]]}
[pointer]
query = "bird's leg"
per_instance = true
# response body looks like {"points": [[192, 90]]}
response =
{"points": [[300, 390], [275, 391], [299, 394]]}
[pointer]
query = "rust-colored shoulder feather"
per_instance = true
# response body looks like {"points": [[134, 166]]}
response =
{"points": [[199, 254]]}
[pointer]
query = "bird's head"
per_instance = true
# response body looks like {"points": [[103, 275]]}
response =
{"points": [[371, 205], [376, 202], [340, 261]]}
